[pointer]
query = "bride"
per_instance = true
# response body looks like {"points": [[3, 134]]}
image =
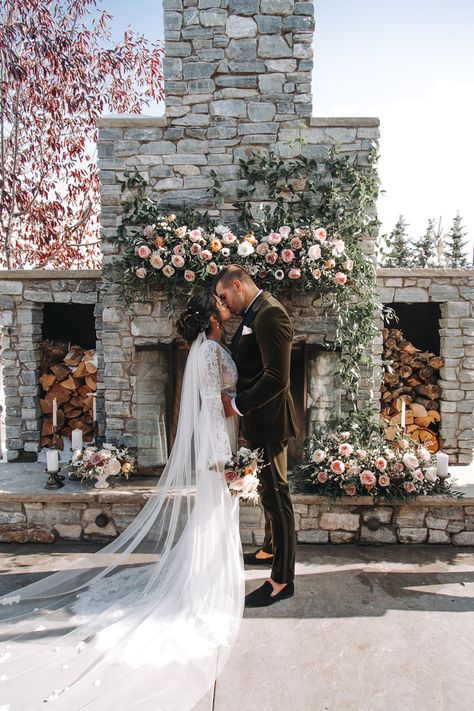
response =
{"points": [[147, 622]]}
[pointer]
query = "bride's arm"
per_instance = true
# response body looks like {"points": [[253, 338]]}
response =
{"points": [[213, 421]]}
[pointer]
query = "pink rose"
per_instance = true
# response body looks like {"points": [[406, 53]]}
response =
{"points": [[345, 449], [409, 486], [179, 249], [230, 476], [337, 466], [418, 474], [156, 260], [339, 278], [148, 231], [316, 273], [228, 238], [140, 272], [398, 467], [96, 458], [212, 268], [348, 265], [338, 247], [299, 232], [181, 231], [206, 254], [296, 243], [262, 249], [350, 490], [318, 455], [271, 257], [367, 478], [195, 249], [144, 251], [384, 480], [195, 235], [274, 238], [177, 261], [322, 477], [381, 464], [320, 234], [284, 231], [168, 270], [314, 252], [287, 255], [423, 454], [189, 275], [294, 273], [361, 453]]}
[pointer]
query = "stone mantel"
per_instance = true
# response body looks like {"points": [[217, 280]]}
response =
{"points": [[38, 274], [162, 121]]}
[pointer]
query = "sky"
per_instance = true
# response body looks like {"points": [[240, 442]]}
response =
{"points": [[409, 63]]}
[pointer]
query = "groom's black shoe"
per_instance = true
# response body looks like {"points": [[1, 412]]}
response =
{"points": [[262, 597], [251, 559]]}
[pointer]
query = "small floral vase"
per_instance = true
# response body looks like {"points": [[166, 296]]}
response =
{"points": [[102, 482]]}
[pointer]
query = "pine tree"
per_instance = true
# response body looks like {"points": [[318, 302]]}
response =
{"points": [[397, 241], [425, 249], [455, 255]]}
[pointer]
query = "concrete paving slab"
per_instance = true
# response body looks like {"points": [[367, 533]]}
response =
{"points": [[370, 629]]}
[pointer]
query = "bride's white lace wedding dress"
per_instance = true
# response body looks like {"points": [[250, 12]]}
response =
{"points": [[147, 622]]}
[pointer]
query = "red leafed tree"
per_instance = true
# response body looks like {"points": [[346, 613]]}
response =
{"points": [[59, 72]]}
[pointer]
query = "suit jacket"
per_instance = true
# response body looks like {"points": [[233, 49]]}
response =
{"points": [[263, 358]]}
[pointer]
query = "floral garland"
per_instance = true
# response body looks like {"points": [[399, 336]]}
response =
{"points": [[94, 463]]}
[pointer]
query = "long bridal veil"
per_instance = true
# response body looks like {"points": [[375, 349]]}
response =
{"points": [[147, 622]]}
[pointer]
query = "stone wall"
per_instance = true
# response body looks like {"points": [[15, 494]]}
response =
{"points": [[453, 289], [22, 296]]}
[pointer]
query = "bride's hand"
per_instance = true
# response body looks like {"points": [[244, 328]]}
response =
{"points": [[227, 403]]}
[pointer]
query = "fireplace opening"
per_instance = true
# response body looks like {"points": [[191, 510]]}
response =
{"points": [[419, 324], [70, 323]]}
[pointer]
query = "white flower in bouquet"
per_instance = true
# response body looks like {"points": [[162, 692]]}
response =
{"points": [[423, 454], [344, 435], [284, 230], [352, 467], [418, 474], [318, 456], [362, 453], [221, 229], [410, 461], [245, 249], [314, 252], [113, 467], [431, 474]]}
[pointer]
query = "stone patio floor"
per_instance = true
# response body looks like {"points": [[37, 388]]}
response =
{"points": [[387, 628]]}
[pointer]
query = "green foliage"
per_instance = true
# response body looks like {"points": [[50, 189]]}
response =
{"points": [[398, 244], [425, 248], [455, 255]]}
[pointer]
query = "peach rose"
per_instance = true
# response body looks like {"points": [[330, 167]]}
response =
{"points": [[140, 272], [329, 264], [409, 486], [316, 273], [179, 249], [189, 275], [195, 249], [384, 480], [159, 242], [181, 231], [215, 245], [337, 466], [148, 230], [296, 243], [177, 261], [339, 278], [271, 257], [322, 477], [381, 464], [212, 268], [195, 235], [262, 249], [299, 232], [346, 449], [143, 251], [206, 254], [156, 260], [274, 238], [171, 217], [350, 490], [294, 273], [287, 255], [168, 270], [320, 234], [367, 478]]}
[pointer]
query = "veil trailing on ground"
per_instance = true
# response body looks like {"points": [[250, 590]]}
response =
{"points": [[148, 621]]}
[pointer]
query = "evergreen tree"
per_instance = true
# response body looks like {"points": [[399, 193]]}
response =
{"points": [[399, 254], [425, 253], [455, 255]]}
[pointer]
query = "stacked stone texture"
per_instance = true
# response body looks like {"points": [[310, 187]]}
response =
{"points": [[21, 304], [453, 289]]}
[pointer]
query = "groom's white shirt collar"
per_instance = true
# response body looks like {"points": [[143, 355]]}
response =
{"points": [[254, 298]]}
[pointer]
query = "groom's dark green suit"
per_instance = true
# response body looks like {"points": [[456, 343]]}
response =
{"points": [[261, 349]]}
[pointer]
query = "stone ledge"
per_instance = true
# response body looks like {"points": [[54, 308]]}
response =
{"points": [[26, 274], [162, 121], [345, 121], [426, 272], [132, 121]]}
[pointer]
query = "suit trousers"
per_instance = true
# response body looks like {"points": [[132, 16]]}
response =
{"points": [[280, 537]]}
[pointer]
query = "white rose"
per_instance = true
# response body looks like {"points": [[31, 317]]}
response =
{"points": [[410, 461], [245, 249], [319, 455], [314, 252], [431, 474]]}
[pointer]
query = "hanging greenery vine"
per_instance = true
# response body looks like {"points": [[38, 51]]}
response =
{"points": [[312, 233]]}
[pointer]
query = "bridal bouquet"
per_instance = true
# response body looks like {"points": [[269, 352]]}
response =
{"points": [[94, 463], [241, 473]]}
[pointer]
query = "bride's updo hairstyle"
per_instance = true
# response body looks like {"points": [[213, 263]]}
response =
{"points": [[196, 316]]}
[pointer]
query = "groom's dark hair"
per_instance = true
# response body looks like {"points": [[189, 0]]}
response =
{"points": [[231, 272]]}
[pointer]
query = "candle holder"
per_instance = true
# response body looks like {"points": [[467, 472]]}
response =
{"points": [[55, 479]]}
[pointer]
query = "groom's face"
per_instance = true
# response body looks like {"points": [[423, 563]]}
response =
{"points": [[232, 296]]}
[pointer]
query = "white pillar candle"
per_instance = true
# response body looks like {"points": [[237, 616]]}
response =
{"points": [[442, 463], [52, 460], [403, 417], [76, 439], [55, 413], [94, 409]]}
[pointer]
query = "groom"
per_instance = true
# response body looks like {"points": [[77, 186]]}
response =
{"points": [[261, 349]]}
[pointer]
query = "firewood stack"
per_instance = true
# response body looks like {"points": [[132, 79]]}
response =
{"points": [[414, 379], [68, 374]]}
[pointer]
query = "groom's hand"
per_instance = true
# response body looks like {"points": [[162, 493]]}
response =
{"points": [[227, 403]]}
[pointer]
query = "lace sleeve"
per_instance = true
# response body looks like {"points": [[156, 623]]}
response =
{"points": [[212, 410]]}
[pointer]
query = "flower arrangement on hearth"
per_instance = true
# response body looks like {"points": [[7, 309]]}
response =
{"points": [[241, 473], [339, 467], [100, 464], [167, 252]]}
